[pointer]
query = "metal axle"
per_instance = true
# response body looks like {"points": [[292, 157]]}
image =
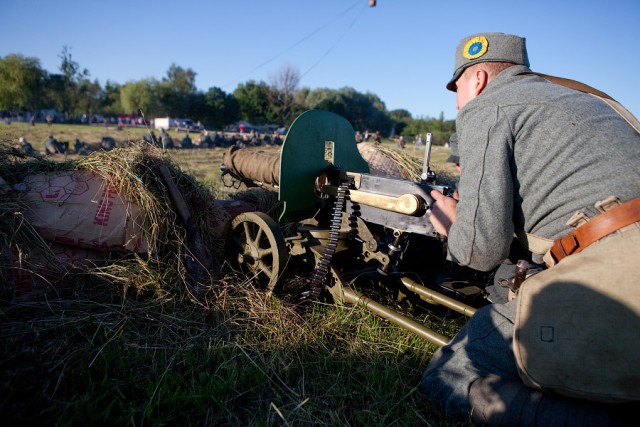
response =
{"points": [[354, 297], [434, 297]]}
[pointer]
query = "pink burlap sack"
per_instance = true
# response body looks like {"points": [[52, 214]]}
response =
{"points": [[78, 208]]}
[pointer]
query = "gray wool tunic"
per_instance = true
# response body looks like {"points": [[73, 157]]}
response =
{"points": [[532, 153]]}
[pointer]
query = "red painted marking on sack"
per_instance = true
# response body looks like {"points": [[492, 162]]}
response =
{"points": [[103, 212], [52, 193]]}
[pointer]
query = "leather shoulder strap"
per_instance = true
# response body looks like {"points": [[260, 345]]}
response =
{"points": [[576, 85]]}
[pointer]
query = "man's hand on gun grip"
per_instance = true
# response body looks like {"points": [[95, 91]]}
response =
{"points": [[443, 212]]}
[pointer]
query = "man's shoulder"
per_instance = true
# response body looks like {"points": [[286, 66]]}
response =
{"points": [[518, 87]]}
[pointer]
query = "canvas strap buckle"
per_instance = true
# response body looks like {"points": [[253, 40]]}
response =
{"points": [[601, 226]]}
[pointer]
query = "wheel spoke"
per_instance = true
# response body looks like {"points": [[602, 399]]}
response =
{"points": [[264, 268], [259, 234], [258, 248], [265, 252], [247, 231]]}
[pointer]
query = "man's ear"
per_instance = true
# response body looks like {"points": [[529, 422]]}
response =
{"points": [[481, 81]]}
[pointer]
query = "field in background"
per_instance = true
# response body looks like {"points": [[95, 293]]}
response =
{"points": [[233, 357], [204, 164]]}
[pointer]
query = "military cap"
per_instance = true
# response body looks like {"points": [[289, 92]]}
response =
{"points": [[488, 47]]}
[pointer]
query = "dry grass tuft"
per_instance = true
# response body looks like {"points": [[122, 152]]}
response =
{"points": [[410, 166], [135, 174]]}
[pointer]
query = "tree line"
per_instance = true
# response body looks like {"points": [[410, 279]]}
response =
{"points": [[26, 87]]}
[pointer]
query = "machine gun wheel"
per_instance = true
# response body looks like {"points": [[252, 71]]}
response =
{"points": [[256, 247]]}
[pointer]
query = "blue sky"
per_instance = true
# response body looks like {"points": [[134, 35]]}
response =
{"points": [[401, 50]]}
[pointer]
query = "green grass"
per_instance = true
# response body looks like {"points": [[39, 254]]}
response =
{"points": [[233, 357], [244, 359]]}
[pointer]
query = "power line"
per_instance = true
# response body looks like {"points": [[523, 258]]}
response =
{"points": [[335, 44], [303, 39]]}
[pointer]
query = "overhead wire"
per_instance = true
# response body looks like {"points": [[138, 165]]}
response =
{"points": [[335, 44], [303, 39]]}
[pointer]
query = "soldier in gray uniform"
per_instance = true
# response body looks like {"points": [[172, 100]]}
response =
{"points": [[167, 141], [107, 143], [53, 146], [186, 141], [560, 169], [25, 146], [205, 140]]}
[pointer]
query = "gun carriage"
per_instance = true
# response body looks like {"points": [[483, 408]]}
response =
{"points": [[357, 235]]}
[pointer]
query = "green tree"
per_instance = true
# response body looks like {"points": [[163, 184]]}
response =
{"points": [[441, 121], [176, 91], [401, 119], [364, 111], [90, 97], [141, 95], [222, 109], [368, 111], [439, 129], [254, 102], [326, 99], [69, 94], [400, 114], [180, 80], [299, 103], [22, 80], [71, 69], [55, 92], [111, 103], [196, 107]]}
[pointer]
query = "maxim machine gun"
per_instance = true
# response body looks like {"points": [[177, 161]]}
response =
{"points": [[358, 235]]}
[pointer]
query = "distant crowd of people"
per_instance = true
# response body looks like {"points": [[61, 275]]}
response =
{"points": [[48, 118], [366, 136], [208, 139], [205, 139], [53, 146]]}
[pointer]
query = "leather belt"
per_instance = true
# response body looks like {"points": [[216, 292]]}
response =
{"points": [[595, 229]]}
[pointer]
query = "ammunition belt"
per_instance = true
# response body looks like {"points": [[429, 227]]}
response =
{"points": [[322, 267]]}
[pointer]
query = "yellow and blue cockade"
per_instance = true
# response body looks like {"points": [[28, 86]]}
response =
{"points": [[475, 47]]}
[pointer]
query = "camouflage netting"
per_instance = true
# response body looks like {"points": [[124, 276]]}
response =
{"points": [[134, 173], [389, 163]]}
